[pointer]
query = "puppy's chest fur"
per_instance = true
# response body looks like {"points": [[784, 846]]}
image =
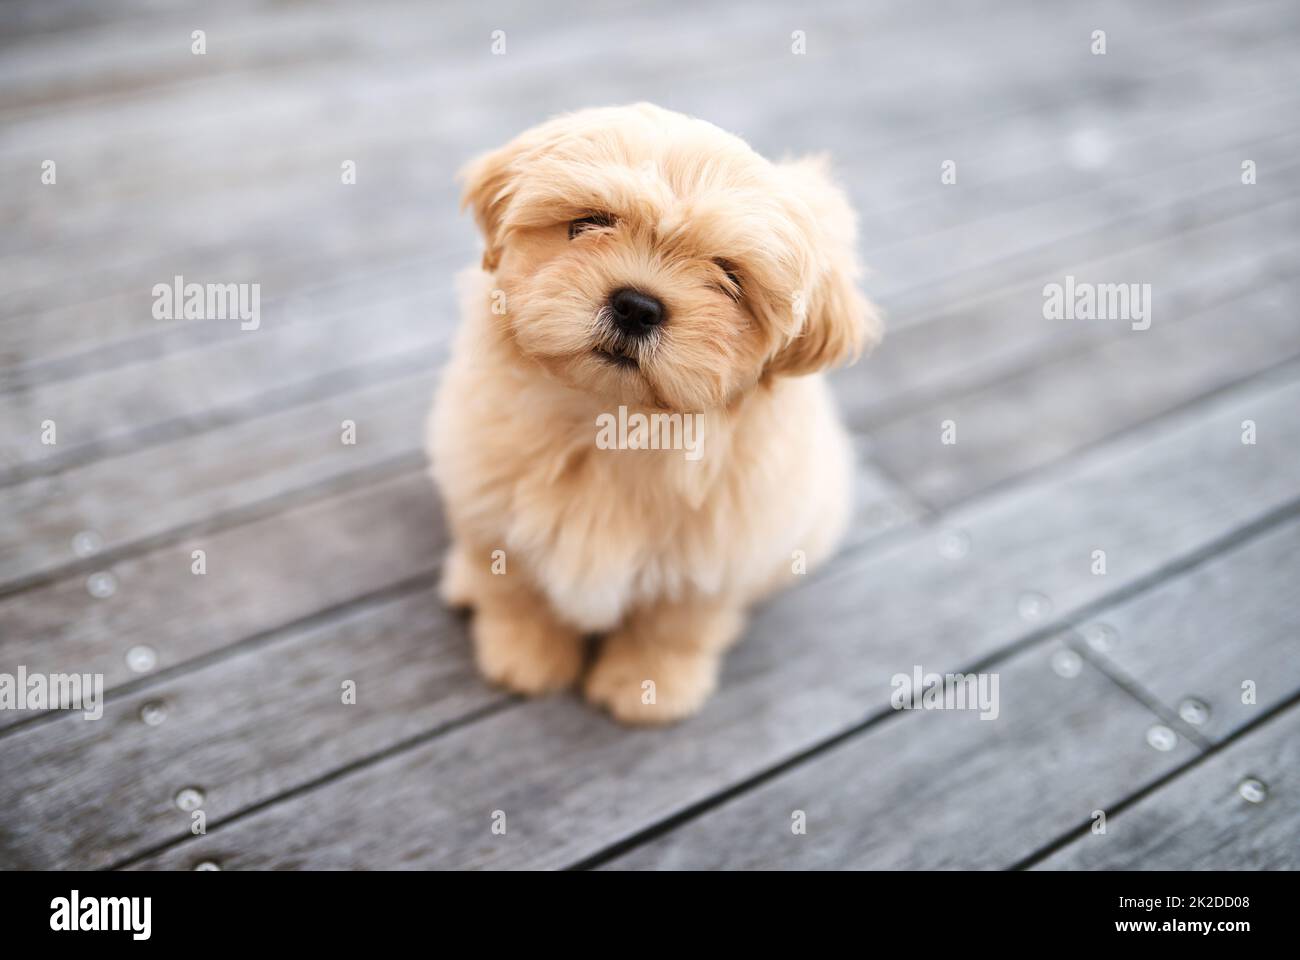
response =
{"points": [[605, 530]]}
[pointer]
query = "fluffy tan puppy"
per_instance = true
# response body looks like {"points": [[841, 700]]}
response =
{"points": [[640, 259]]}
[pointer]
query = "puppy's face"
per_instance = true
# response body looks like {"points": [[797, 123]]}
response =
{"points": [[652, 259]]}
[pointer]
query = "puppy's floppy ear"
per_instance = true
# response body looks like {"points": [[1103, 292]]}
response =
{"points": [[832, 321], [488, 181]]}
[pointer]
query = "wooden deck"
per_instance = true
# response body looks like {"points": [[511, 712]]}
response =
{"points": [[1073, 436]]}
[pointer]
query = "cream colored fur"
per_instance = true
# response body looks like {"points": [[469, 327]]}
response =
{"points": [[658, 553]]}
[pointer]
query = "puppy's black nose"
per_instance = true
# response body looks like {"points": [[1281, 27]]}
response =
{"points": [[636, 313]]}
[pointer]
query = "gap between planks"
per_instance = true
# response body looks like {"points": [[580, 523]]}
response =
{"points": [[1206, 754]]}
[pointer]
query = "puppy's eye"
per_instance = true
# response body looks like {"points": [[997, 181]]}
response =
{"points": [[589, 223], [733, 287]]}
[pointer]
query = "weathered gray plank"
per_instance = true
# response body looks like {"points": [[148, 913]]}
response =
{"points": [[1202, 821], [263, 225], [260, 576], [939, 790], [248, 42], [1201, 636], [126, 501], [258, 372], [1035, 417], [413, 673], [959, 263], [338, 285], [979, 341], [1067, 156], [25, 20], [573, 784]]}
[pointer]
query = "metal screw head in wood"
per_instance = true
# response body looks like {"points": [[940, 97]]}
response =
{"points": [[102, 585], [1194, 711], [1033, 606], [954, 544], [87, 543], [1102, 637], [153, 713], [1067, 663], [141, 658], [1162, 738], [1252, 790]]}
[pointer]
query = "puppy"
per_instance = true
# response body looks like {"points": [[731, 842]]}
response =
{"points": [[633, 438]]}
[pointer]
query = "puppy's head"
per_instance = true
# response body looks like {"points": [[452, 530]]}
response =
{"points": [[653, 259]]}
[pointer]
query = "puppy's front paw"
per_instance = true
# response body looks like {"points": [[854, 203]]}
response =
{"points": [[642, 685], [526, 655]]}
